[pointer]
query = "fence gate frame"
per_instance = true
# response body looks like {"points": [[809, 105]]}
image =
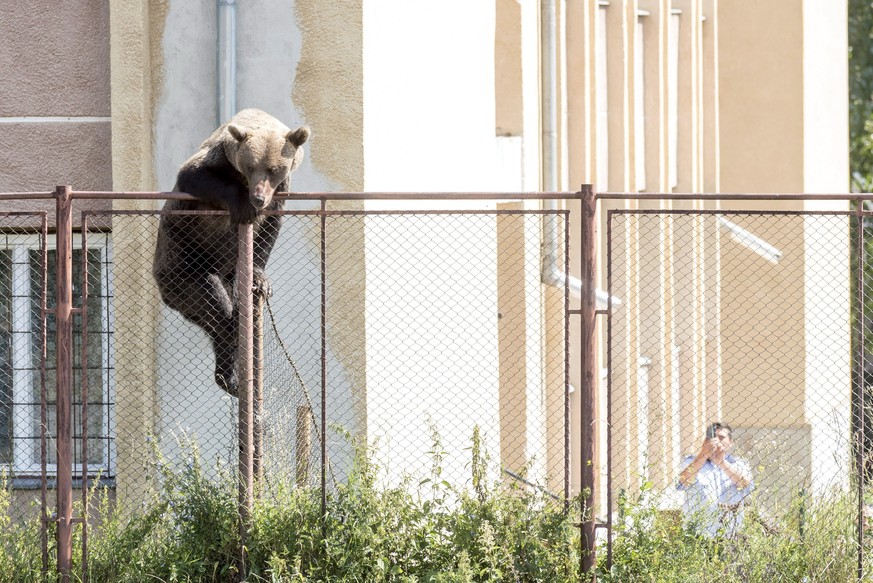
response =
{"points": [[588, 320], [64, 519], [590, 314]]}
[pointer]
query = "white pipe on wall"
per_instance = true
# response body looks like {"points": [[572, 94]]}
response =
{"points": [[549, 95], [749, 241], [226, 59], [552, 274]]}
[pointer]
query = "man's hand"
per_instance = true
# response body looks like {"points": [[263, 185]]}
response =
{"points": [[689, 474], [708, 448], [718, 452]]}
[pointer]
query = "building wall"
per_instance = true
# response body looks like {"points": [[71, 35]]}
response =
{"points": [[779, 135], [55, 103], [165, 103], [136, 78], [138, 95], [54, 130], [456, 119], [729, 122], [826, 170]]}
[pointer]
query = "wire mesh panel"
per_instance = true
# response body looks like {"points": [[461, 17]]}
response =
{"points": [[395, 336], [430, 331], [732, 412], [23, 243]]}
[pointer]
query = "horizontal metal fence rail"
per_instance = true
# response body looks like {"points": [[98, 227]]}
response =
{"points": [[651, 252], [93, 441]]}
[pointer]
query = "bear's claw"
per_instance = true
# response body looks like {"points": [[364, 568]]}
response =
{"points": [[261, 285]]}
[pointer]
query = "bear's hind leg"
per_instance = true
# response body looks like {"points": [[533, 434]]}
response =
{"points": [[206, 302]]}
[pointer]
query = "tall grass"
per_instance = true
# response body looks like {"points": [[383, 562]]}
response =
{"points": [[813, 541], [422, 530], [20, 554]]}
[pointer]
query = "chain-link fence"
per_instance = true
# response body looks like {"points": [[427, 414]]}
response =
{"points": [[414, 338], [25, 402], [406, 339], [398, 331], [735, 406]]}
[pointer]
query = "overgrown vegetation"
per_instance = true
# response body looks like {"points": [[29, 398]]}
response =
{"points": [[423, 530], [814, 540]]}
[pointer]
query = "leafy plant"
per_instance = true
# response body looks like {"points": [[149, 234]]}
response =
{"points": [[419, 530], [813, 541]]}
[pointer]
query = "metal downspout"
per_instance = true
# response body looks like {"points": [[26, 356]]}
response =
{"points": [[552, 274], [226, 87]]}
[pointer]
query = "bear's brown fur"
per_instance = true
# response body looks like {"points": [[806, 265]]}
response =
{"points": [[237, 169]]}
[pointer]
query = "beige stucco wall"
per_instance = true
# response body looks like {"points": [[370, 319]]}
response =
{"points": [[762, 108], [328, 89], [783, 129], [508, 70], [761, 99], [135, 33], [54, 101]]}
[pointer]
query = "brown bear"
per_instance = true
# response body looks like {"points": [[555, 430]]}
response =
{"points": [[237, 169]]}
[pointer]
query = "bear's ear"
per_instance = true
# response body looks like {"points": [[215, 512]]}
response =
{"points": [[238, 132], [299, 136]]}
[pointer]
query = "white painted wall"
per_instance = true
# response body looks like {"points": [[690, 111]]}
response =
{"points": [[826, 164], [268, 48], [825, 97], [429, 96], [828, 350], [429, 126]]}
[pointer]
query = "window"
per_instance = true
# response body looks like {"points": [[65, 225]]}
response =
{"points": [[21, 327]]}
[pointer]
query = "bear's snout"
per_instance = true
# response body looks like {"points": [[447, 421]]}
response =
{"points": [[261, 194]]}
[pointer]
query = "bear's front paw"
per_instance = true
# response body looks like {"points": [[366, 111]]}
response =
{"points": [[261, 284], [243, 214], [226, 378]]}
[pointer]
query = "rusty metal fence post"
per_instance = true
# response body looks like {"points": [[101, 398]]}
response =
{"points": [[64, 313], [244, 282], [43, 395], [589, 388], [258, 388], [323, 329], [861, 382]]}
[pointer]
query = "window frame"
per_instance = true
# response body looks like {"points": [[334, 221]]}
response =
{"points": [[24, 424]]}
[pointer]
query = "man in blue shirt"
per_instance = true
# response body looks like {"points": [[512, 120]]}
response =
{"points": [[716, 485]]}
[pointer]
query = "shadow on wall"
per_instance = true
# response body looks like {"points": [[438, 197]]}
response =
{"points": [[781, 460]]}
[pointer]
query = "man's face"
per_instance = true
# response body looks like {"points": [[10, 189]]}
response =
{"points": [[723, 437]]}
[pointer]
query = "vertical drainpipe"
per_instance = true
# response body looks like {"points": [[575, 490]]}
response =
{"points": [[552, 274], [549, 96], [226, 87]]}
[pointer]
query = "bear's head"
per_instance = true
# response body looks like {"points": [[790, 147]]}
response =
{"points": [[265, 158]]}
